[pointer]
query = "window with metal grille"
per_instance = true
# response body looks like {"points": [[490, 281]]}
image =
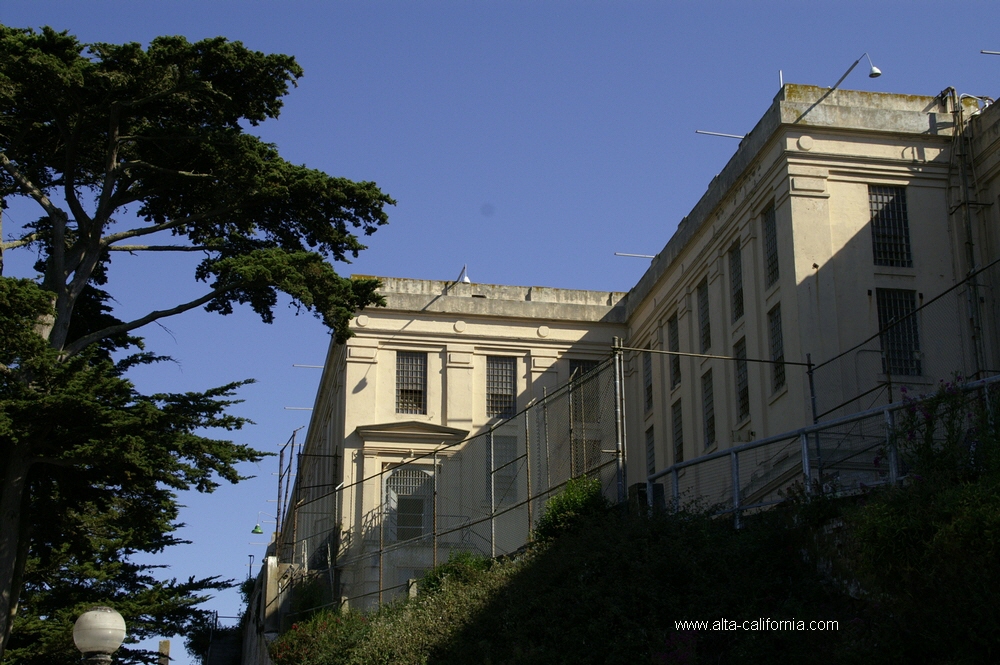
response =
{"points": [[411, 382], [770, 233], [505, 466], [890, 226], [674, 344], [777, 345], [579, 368], [900, 340], [742, 382], [650, 452], [501, 384], [585, 393], [708, 407], [409, 498], [704, 317], [677, 422], [736, 281], [647, 379]]}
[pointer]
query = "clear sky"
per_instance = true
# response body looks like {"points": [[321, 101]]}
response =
{"points": [[529, 140]]}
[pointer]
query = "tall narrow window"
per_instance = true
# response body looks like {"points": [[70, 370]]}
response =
{"points": [[586, 391], [736, 281], [677, 423], [409, 498], [501, 385], [890, 226], [650, 452], [770, 234], [708, 407], [777, 345], [411, 382], [897, 323], [674, 344], [704, 317], [742, 382], [647, 379]]}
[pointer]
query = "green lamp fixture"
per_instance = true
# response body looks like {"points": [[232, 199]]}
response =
{"points": [[257, 530]]}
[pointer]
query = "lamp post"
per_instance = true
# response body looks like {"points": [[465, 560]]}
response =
{"points": [[98, 633]]}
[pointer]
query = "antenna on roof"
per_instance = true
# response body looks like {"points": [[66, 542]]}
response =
{"points": [[728, 136], [637, 256], [464, 275]]}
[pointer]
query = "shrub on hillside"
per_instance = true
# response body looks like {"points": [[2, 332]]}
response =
{"points": [[580, 499]]}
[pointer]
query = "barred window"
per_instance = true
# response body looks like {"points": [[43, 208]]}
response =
{"points": [[677, 422], [770, 247], [704, 317], [742, 382], [900, 340], [578, 368], [890, 226], [674, 344], [585, 395], [736, 281], [777, 344], [650, 452], [647, 379], [409, 498], [708, 407], [505, 469], [501, 384], [411, 382]]}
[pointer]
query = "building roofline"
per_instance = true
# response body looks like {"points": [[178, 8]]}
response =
{"points": [[799, 107]]}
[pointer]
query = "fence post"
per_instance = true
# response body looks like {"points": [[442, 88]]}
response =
{"points": [[734, 465], [434, 509], [676, 492], [527, 472], [493, 503], [545, 437], [890, 435], [619, 422], [806, 471], [381, 530]]}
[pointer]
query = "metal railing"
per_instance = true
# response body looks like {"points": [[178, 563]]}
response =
{"points": [[843, 455]]}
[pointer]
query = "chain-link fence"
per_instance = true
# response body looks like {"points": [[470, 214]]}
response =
{"points": [[365, 542], [919, 342], [844, 455]]}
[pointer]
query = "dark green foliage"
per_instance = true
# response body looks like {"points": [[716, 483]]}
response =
{"points": [[462, 567], [105, 464], [927, 554], [328, 638], [911, 575], [579, 500], [161, 129], [118, 144]]}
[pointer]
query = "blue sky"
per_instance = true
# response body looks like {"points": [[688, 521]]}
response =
{"points": [[529, 140]]}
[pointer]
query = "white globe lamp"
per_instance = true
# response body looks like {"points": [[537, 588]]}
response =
{"points": [[98, 633]]}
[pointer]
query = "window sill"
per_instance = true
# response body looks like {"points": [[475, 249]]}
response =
{"points": [[778, 394]]}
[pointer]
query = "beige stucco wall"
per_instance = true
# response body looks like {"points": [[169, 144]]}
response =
{"points": [[812, 155]]}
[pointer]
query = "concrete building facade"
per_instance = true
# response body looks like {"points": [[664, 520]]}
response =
{"points": [[838, 217]]}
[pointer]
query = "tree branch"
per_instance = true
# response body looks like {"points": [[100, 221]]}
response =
{"points": [[124, 166], [110, 331], [161, 248], [156, 228], [26, 240], [29, 188]]}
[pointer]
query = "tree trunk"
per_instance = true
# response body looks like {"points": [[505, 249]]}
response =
{"points": [[12, 504]]}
